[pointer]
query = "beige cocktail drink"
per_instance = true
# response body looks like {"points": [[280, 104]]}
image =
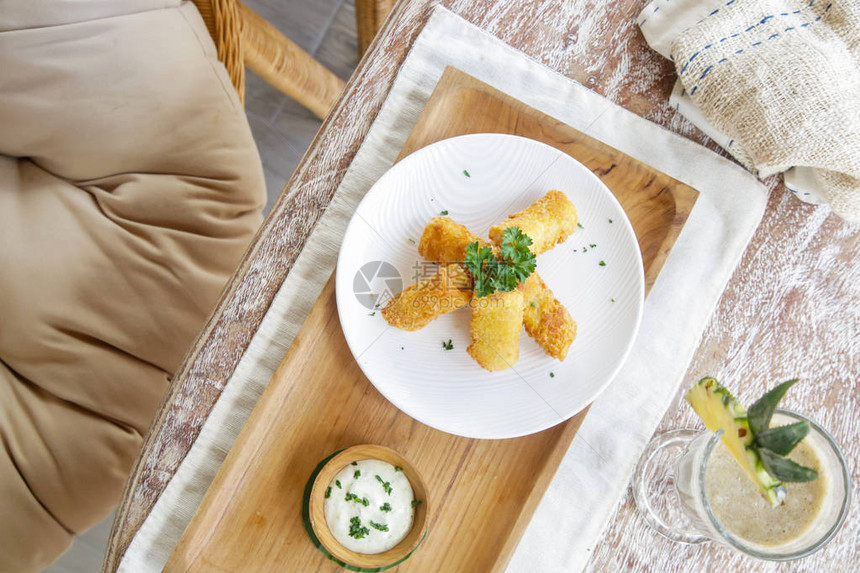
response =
{"points": [[769, 483], [742, 511]]}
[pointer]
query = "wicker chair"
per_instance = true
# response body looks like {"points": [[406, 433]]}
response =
{"points": [[244, 38]]}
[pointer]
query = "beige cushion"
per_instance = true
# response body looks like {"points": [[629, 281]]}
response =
{"points": [[130, 186]]}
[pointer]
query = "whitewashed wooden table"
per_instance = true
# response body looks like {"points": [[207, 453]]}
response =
{"points": [[791, 309]]}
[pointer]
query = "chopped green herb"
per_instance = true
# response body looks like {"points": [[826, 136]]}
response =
{"points": [[466, 173], [379, 526], [385, 507], [552, 374], [416, 503], [584, 249], [357, 474], [610, 220], [578, 224], [443, 213], [356, 529], [612, 299], [337, 483], [355, 463], [502, 272], [328, 492], [401, 348], [602, 263], [398, 469], [360, 500], [533, 305], [385, 485], [372, 313], [592, 245], [448, 345]]}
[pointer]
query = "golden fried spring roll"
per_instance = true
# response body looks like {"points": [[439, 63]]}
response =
{"points": [[416, 306], [546, 319], [496, 324], [548, 221], [445, 241]]}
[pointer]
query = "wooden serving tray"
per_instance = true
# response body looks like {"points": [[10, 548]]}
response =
{"points": [[481, 493]]}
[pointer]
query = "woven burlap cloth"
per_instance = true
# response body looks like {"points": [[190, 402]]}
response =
{"points": [[775, 82]]}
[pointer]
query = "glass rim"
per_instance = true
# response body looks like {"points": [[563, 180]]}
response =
{"points": [[812, 547]]}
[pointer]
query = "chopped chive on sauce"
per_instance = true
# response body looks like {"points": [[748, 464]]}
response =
{"points": [[612, 300], [552, 374], [592, 245], [448, 345], [385, 485], [355, 463], [584, 249], [372, 313], [359, 500], [357, 474], [466, 173], [328, 492], [398, 469], [443, 213], [337, 483], [385, 507], [379, 526], [416, 503], [356, 529], [401, 348], [610, 220], [602, 263], [578, 224]]}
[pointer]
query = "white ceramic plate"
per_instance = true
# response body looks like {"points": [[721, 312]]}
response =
{"points": [[479, 180]]}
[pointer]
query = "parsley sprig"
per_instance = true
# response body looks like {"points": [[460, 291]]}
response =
{"points": [[501, 273]]}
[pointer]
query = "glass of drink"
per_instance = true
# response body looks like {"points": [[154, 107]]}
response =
{"points": [[689, 488]]}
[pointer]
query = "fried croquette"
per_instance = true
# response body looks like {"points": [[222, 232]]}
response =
{"points": [[546, 319], [548, 221], [418, 305], [495, 327], [445, 241]]}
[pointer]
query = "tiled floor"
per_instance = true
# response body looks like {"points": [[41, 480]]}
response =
{"points": [[283, 130]]}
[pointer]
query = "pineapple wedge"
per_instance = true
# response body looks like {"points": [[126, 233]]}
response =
{"points": [[718, 409]]}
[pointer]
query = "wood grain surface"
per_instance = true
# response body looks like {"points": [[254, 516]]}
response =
{"points": [[792, 307], [319, 401]]}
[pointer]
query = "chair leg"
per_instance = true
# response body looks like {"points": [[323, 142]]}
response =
{"points": [[369, 15], [282, 63]]}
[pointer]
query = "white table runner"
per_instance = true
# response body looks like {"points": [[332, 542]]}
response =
{"points": [[595, 471]]}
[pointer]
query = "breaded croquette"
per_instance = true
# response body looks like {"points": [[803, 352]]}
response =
{"points": [[548, 221], [546, 319], [418, 305], [496, 324], [445, 241]]}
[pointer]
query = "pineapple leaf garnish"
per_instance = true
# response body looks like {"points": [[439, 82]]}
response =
{"points": [[782, 439], [759, 449], [761, 412], [784, 469]]}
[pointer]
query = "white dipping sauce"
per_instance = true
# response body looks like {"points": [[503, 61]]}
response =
{"points": [[368, 506]]}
